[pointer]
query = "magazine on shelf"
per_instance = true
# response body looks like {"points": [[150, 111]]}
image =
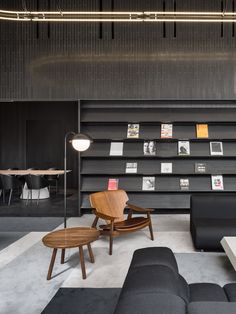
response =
{"points": [[166, 167], [202, 130], [131, 167], [183, 148], [217, 182], [116, 148], [149, 148], [113, 184], [184, 184], [133, 130], [200, 167], [148, 183], [166, 130], [216, 148]]}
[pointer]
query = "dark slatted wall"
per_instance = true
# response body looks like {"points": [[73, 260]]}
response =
{"points": [[119, 61]]}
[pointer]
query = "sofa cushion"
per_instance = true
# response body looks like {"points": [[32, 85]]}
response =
{"points": [[184, 291], [150, 279], [230, 290], [207, 292], [211, 308], [154, 256], [151, 303], [208, 233]]}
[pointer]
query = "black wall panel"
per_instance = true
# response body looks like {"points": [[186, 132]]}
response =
{"points": [[32, 135], [120, 60]]}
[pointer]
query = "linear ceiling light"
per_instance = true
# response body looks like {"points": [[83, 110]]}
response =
{"points": [[60, 16]]}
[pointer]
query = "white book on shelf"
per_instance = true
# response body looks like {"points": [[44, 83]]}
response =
{"points": [[166, 130], [216, 148], [131, 167], [148, 184], [116, 148], [166, 167], [133, 130], [183, 148]]}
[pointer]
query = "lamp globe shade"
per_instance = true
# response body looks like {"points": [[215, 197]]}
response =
{"points": [[81, 142]]}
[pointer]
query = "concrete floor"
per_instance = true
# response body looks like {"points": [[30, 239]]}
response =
{"points": [[24, 264]]}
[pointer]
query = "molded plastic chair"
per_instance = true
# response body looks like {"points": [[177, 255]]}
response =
{"points": [[110, 205], [10, 183], [2, 192], [35, 182], [53, 178]]}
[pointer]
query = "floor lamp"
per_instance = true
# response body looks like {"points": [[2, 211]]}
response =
{"points": [[81, 143]]}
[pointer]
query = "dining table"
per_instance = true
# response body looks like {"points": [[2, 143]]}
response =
{"points": [[44, 193]]}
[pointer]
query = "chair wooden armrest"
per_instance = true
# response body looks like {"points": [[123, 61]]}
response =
{"points": [[103, 216], [139, 209]]}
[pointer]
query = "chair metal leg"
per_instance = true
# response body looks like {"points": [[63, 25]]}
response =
{"points": [[3, 196], [111, 238], [38, 197], [28, 197], [9, 200]]}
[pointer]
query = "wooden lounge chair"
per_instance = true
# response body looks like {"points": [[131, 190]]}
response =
{"points": [[110, 205]]}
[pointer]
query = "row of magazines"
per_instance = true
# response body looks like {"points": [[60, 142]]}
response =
{"points": [[166, 130], [150, 148], [149, 184]]}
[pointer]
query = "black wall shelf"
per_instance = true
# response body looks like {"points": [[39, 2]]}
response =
{"points": [[107, 121]]}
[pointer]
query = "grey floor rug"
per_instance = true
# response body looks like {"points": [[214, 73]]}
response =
{"points": [[83, 301]]}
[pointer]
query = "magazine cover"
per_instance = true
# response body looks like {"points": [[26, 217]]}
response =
{"points": [[200, 168], [217, 182], [133, 130], [166, 130], [216, 148], [113, 184], [202, 130], [183, 148], [149, 148], [166, 167], [116, 149], [131, 167], [184, 184], [148, 183]]}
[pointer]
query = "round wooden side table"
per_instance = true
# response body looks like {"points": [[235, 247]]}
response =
{"points": [[70, 238]]}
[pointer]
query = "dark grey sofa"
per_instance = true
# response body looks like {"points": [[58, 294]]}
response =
{"points": [[211, 218], [154, 285]]}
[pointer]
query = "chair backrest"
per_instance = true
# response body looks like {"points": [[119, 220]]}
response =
{"points": [[36, 182], [9, 182], [110, 203]]}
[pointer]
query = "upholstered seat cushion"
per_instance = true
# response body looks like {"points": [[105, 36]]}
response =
{"points": [[230, 290], [154, 256], [207, 292], [211, 308], [208, 232], [151, 303]]}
